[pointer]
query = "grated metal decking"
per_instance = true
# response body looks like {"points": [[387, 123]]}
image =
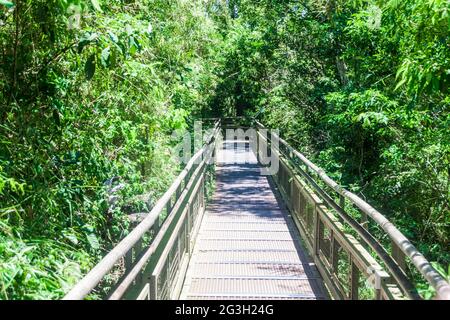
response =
{"points": [[247, 246]]}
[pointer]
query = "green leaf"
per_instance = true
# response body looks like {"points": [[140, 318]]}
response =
{"points": [[93, 241], [104, 58], [96, 5], [133, 46], [112, 59], [89, 68], [7, 4], [113, 37], [400, 83], [70, 236], [85, 40]]}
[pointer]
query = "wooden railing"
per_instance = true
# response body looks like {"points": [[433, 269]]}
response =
{"points": [[150, 263], [352, 260]]}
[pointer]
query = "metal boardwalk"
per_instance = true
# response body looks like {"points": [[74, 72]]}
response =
{"points": [[249, 244], [248, 247]]}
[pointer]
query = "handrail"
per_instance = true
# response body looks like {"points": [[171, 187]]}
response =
{"points": [[391, 265], [127, 281], [95, 276], [441, 286]]}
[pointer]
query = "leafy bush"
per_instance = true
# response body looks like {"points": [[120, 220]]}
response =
{"points": [[90, 94]]}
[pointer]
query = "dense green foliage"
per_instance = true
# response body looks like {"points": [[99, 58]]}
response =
{"points": [[83, 106], [91, 90], [362, 88]]}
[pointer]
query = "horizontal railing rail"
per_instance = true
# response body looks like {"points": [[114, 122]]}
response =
{"points": [[138, 253], [296, 183]]}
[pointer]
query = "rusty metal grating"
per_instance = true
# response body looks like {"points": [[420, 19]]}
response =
{"points": [[247, 246]]}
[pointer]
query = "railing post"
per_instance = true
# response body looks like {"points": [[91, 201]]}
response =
{"points": [[364, 220], [334, 254], [188, 230], [138, 250], [258, 145], [365, 224], [169, 206], [342, 202], [317, 231], [292, 198], [398, 256], [354, 280], [178, 192], [153, 287], [190, 223], [203, 192], [342, 205], [128, 259]]}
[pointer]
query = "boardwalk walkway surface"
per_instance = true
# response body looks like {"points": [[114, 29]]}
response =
{"points": [[248, 246]]}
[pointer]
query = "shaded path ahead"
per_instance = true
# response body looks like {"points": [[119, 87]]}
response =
{"points": [[247, 246]]}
